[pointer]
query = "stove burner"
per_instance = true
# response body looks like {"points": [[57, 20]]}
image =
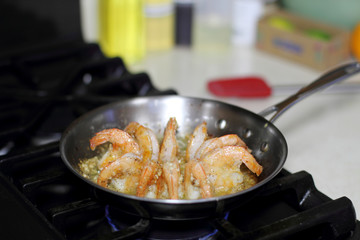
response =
{"points": [[157, 229]]}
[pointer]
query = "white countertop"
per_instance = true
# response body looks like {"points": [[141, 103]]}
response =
{"points": [[322, 132]]}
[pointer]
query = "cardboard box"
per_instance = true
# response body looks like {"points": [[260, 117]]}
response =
{"points": [[316, 45]]}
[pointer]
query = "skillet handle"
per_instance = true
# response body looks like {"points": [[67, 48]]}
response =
{"points": [[326, 80]]}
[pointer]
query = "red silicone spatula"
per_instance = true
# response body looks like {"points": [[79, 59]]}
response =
{"points": [[257, 87], [249, 87]]}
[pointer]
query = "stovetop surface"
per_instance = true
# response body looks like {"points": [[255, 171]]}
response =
{"points": [[40, 198], [47, 82]]}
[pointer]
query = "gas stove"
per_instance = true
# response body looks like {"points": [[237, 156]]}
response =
{"points": [[48, 81], [41, 199]]}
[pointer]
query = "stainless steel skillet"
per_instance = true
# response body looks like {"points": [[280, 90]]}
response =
{"points": [[267, 142]]}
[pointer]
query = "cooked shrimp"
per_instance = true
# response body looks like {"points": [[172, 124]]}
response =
{"points": [[195, 181], [193, 169], [197, 138], [121, 142], [127, 168], [149, 147], [146, 138], [118, 138], [161, 191], [211, 144], [233, 153], [168, 158], [222, 167], [108, 157], [134, 163]]}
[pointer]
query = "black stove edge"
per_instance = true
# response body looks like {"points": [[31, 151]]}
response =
{"points": [[296, 223], [29, 223]]}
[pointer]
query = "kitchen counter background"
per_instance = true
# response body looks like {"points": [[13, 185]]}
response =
{"points": [[322, 131]]}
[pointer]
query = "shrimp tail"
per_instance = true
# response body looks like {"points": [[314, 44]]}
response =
{"points": [[126, 162], [172, 175], [199, 173], [168, 158], [147, 175], [195, 169]]}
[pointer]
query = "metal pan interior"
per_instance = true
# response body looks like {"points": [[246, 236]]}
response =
{"points": [[266, 141]]}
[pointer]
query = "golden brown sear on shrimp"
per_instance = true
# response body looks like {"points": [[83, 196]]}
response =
{"points": [[134, 161]]}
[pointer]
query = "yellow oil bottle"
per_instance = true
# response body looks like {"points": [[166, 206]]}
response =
{"points": [[159, 24], [122, 29]]}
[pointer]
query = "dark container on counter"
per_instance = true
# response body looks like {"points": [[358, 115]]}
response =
{"points": [[183, 22]]}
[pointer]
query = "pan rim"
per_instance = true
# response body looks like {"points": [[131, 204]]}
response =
{"points": [[167, 201]]}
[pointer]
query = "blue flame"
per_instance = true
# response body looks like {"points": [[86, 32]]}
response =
{"points": [[110, 221], [215, 231]]}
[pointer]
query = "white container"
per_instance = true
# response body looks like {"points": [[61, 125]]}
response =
{"points": [[245, 16], [89, 20]]}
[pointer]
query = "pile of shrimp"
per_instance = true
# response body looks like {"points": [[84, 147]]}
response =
{"points": [[136, 162]]}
